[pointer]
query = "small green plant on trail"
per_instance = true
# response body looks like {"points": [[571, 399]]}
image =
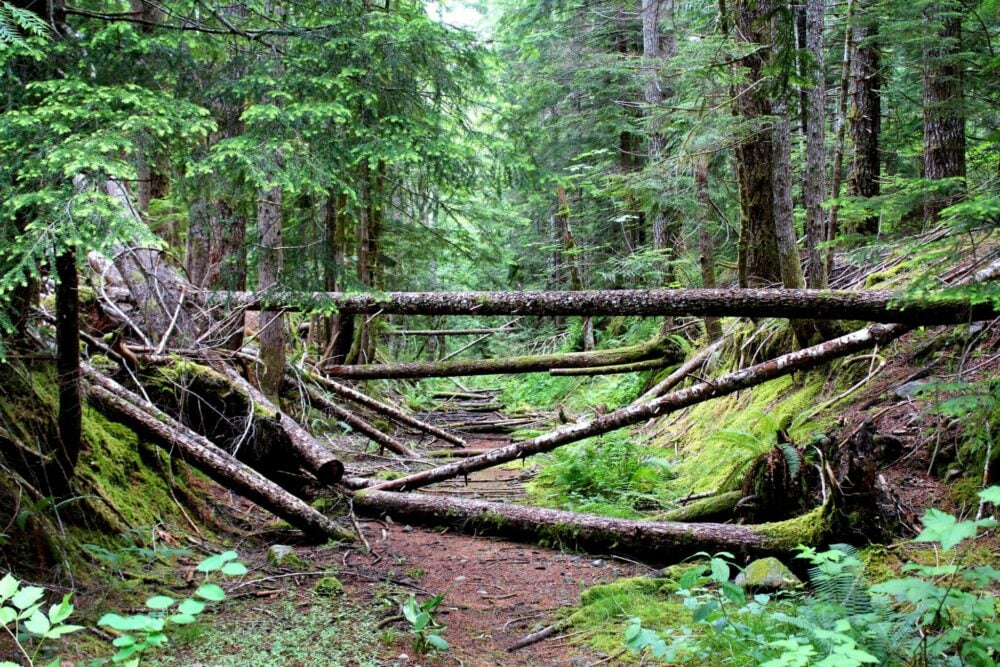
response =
{"points": [[943, 614], [22, 617], [141, 632], [425, 630]]}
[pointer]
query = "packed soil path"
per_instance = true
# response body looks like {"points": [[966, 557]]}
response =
{"points": [[496, 591]]}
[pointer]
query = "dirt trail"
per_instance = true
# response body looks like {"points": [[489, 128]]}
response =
{"points": [[496, 591]]}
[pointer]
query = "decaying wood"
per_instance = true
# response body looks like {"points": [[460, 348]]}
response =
{"points": [[653, 541], [387, 410], [648, 365], [656, 348], [358, 424], [870, 305], [163, 430], [447, 332], [320, 461], [800, 360]]}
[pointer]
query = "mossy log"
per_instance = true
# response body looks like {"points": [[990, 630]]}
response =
{"points": [[387, 410], [651, 541], [713, 508], [658, 348], [118, 403], [869, 306], [800, 360], [357, 423]]}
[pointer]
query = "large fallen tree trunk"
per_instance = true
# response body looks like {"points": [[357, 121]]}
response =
{"points": [[648, 365], [653, 541], [870, 306], [387, 410], [658, 348], [319, 460], [163, 430], [357, 423], [801, 360]]}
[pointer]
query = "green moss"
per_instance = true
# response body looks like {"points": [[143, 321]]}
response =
{"points": [[706, 507], [124, 473], [808, 529], [328, 587]]}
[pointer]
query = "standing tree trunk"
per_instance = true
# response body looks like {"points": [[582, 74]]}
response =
{"points": [[568, 244], [758, 263], [706, 244], [944, 112], [838, 149], [658, 48], [269, 269], [866, 113], [815, 183], [68, 370], [784, 208]]}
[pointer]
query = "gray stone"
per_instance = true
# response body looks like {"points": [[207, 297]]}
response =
{"points": [[767, 575], [281, 554], [908, 390]]}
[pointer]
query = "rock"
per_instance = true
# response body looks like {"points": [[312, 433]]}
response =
{"points": [[908, 390], [767, 575], [329, 587], [279, 554], [407, 529], [597, 563]]}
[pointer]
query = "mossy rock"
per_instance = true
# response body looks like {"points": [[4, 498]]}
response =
{"points": [[767, 575], [328, 587], [282, 555]]}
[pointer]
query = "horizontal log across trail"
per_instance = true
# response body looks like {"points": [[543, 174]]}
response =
{"points": [[801, 360], [869, 306]]}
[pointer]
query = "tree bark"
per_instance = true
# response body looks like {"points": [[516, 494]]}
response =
{"points": [[120, 404], [706, 244], [653, 541], [790, 263], [758, 263], [358, 424], [682, 372], [68, 369], [658, 348], [866, 114], [387, 410], [814, 191], [944, 111], [616, 369], [871, 306], [800, 360], [269, 269], [838, 150]]}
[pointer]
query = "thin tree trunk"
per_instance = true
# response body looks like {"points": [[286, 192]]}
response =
{"points": [[784, 208], [68, 368], [815, 184], [868, 305], [269, 270], [358, 424], [838, 151], [657, 348], [866, 114], [706, 244]]}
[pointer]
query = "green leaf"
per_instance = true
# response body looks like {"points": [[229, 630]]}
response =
{"points": [[181, 619], [60, 612], [990, 495], [234, 569], [124, 640], [213, 563], [37, 624], [8, 586], [944, 528], [438, 642], [7, 614], [159, 602], [211, 592], [191, 606], [720, 570], [423, 618], [61, 630], [411, 610], [27, 596], [704, 610]]}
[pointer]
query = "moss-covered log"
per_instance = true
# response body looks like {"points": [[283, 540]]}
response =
{"points": [[713, 508], [647, 365], [658, 348], [652, 541], [118, 403]]}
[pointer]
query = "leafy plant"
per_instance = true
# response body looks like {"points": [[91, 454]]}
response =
{"points": [[142, 632], [425, 630], [22, 617]]}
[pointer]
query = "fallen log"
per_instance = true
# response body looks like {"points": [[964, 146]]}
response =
{"points": [[319, 460], [358, 424], [800, 360], [682, 372], [482, 395], [652, 541], [447, 332], [656, 348], [118, 403], [388, 410], [871, 306], [648, 365]]}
